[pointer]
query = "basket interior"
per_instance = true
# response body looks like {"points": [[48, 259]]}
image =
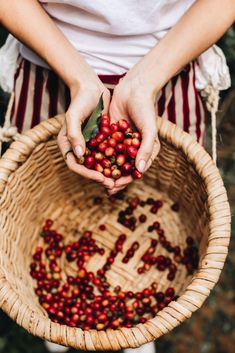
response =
{"points": [[43, 187]]}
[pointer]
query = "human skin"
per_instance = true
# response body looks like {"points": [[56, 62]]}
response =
{"points": [[134, 97]]}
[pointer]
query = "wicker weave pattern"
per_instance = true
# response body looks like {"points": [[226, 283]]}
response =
{"points": [[35, 184]]}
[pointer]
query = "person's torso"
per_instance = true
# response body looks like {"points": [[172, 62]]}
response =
{"points": [[113, 35]]}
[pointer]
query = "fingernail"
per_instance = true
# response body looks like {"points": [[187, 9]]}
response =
{"points": [[78, 151], [141, 166]]}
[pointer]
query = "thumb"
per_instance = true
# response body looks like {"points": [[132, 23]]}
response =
{"points": [[147, 149], [79, 109], [106, 100], [116, 109], [74, 133]]}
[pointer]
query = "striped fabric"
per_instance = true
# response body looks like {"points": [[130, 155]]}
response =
{"points": [[40, 94]]}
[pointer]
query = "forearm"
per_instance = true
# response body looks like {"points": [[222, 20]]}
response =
{"points": [[201, 26], [28, 21]]}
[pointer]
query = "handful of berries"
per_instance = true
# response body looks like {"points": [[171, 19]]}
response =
{"points": [[112, 151]]}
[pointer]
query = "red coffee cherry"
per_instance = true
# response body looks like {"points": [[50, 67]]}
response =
{"points": [[86, 299], [120, 159], [123, 125], [126, 168], [89, 162], [136, 174]]}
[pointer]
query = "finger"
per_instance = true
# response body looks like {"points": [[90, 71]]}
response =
{"points": [[116, 108], [121, 184], [71, 162], [149, 137], [115, 190], [82, 107], [65, 146], [144, 156], [106, 98], [109, 183], [75, 115], [156, 150], [83, 171], [63, 141], [123, 181]]}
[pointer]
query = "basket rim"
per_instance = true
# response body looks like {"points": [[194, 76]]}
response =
{"points": [[177, 311]]}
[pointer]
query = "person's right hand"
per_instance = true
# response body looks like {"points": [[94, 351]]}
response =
{"points": [[84, 99]]}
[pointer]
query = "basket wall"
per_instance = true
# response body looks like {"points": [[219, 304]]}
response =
{"points": [[36, 185]]}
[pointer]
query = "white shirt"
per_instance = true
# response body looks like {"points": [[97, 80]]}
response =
{"points": [[112, 35]]}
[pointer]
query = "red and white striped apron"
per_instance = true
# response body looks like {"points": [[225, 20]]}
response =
{"points": [[40, 94]]}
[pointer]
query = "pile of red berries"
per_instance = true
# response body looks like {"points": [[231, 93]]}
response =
{"points": [[189, 257], [87, 300], [113, 150]]}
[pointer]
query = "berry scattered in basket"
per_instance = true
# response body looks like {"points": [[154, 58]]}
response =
{"points": [[87, 299]]}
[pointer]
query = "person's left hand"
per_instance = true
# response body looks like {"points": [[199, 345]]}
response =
{"points": [[134, 100]]}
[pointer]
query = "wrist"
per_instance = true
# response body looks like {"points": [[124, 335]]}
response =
{"points": [[142, 79], [77, 73], [86, 81], [148, 77], [91, 88], [155, 75]]}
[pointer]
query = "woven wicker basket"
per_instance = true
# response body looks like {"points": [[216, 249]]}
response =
{"points": [[35, 184]]}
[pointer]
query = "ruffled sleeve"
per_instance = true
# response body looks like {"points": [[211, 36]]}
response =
{"points": [[8, 59], [212, 70]]}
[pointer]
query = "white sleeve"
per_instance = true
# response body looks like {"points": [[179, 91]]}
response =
{"points": [[212, 70], [8, 58]]}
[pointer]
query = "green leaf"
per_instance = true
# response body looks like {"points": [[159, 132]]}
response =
{"points": [[92, 126]]}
